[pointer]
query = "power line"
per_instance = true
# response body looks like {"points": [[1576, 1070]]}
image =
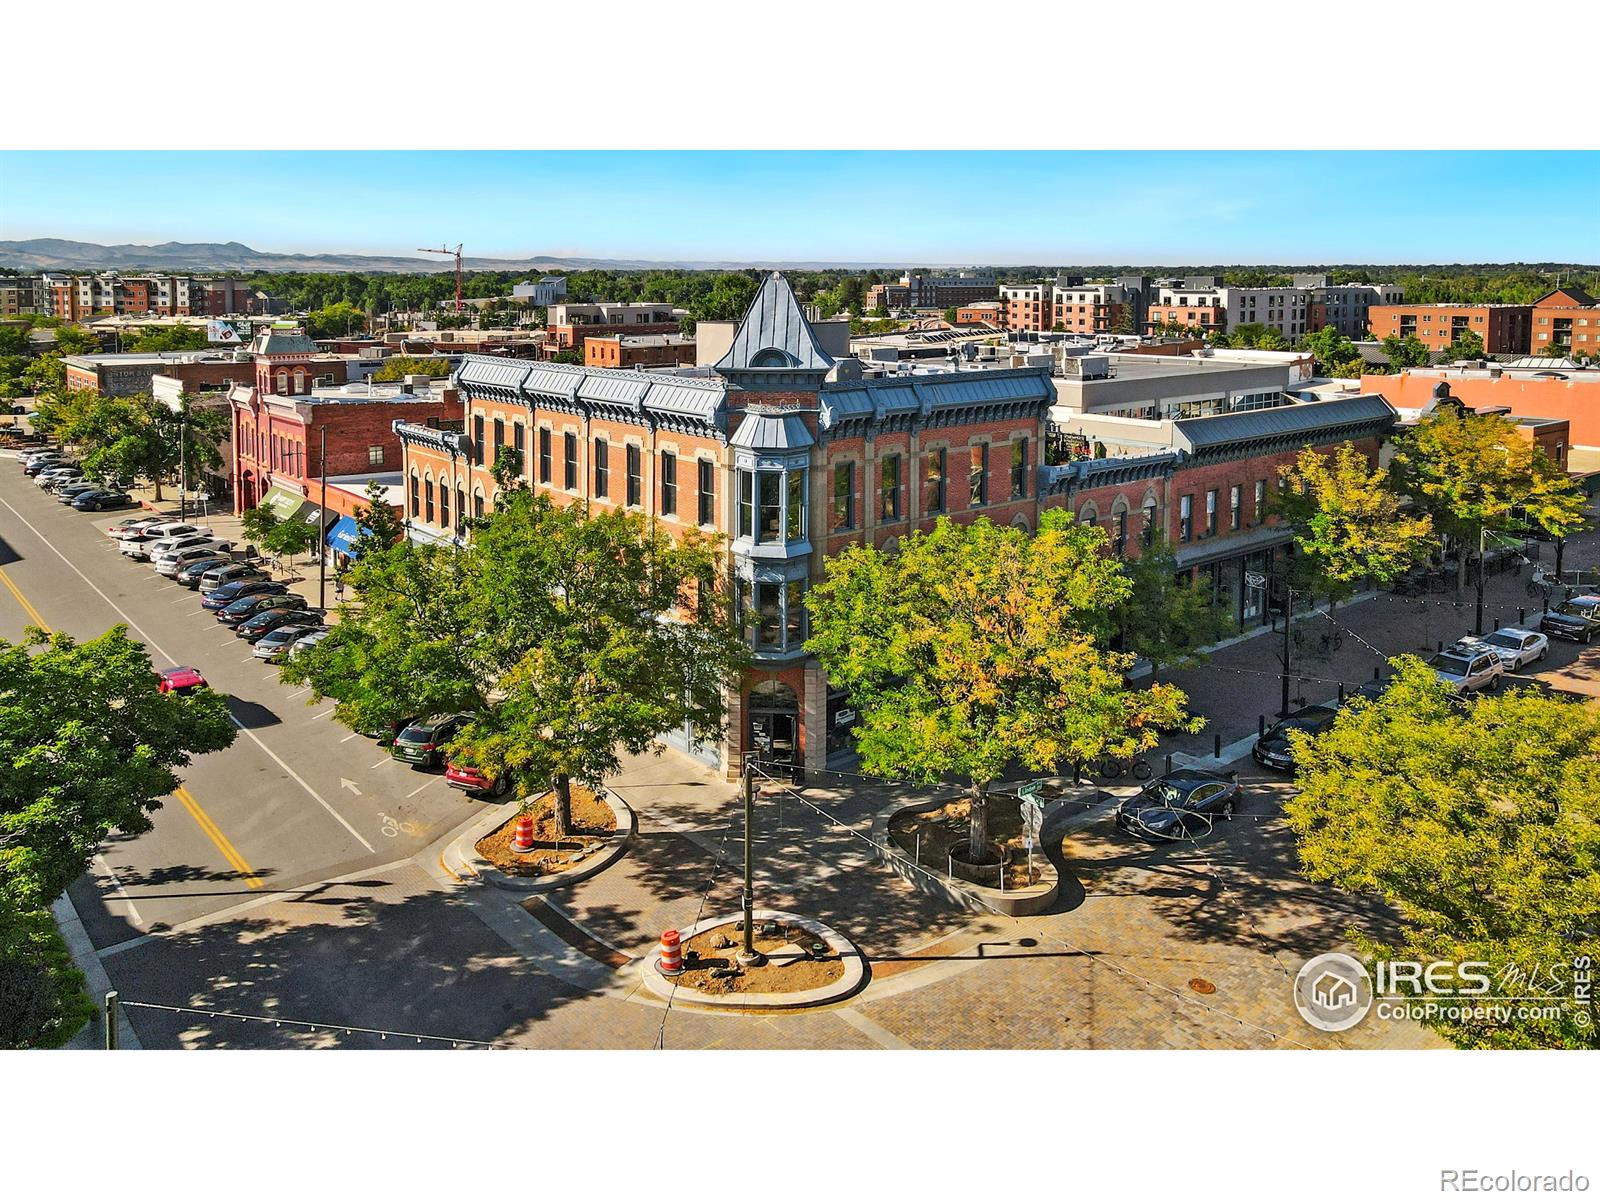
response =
{"points": [[1096, 958], [330, 1026], [711, 883]]}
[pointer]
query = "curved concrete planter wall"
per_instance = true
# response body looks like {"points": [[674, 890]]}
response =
{"points": [[931, 880], [855, 971], [462, 859]]}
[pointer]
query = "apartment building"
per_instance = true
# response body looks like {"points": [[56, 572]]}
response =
{"points": [[639, 350], [920, 290], [1090, 308], [1310, 304], [74, 297], [570, 324], [551, 289], [23, 295], [1504, 328], [1568, 320], [1028, 306]]}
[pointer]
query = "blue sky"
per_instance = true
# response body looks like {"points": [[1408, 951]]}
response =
{"points": [[1050, 207]]}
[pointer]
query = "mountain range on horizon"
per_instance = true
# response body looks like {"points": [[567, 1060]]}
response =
{"points": [[60, 254]]}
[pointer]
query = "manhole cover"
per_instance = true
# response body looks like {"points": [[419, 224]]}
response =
{"points": [[1204, 986]]}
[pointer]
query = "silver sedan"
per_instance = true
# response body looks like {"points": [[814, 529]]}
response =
{"points": [[1515, 647]]}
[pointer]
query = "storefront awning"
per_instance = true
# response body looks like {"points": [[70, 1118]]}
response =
{"points": [[283, 502], [342, 535]]}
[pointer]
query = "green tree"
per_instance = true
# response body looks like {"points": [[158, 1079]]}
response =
{"points": [[176, 337], [379, 525], [341, 319], [401, 366], [75, 339], [1551, 349], [1467, 344], [1475, 475], [1349, 524], [547, 629], [14, 340], [571, 357], [88, 744], [1408, 351], [258, 523], [289, 538], [950, 315], [1330, 348], [1164, 618], [974, 647], [1478, 824]]}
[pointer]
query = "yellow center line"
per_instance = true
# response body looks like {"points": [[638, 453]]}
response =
{"points": [[33, 613], [203, 819]]}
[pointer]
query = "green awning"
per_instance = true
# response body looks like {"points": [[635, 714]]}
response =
{"points": [[283, 502]]}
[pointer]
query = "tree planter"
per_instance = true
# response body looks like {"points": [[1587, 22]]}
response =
{"points": [[837, 948], [463, 860]]}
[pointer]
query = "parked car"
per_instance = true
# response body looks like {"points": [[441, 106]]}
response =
{"points": [[34, 467], [69, 491], [138, 544], [242, 610], [128, 525], [191, 572], [1468, 670], [275, 644], [1577, 619], [470, 779], [1273, 749], [50, 478], [1516, 647], [229, 593], [264, 622], [310, 640], [387, 735], [1181, 804], [181, 680], [164, 548], [171, 563], [100, 499], [232, 572], [422, 743]]}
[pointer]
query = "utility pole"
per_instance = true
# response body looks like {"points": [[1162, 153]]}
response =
{"points": [[322, 521], [1477, 621], [749, 956], [183, 471]]}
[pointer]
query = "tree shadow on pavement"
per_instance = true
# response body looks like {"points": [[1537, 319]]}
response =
{"points": [[251, 715], [417, 963]]}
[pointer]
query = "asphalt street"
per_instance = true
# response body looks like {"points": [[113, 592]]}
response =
{"points": [[297, 799]]}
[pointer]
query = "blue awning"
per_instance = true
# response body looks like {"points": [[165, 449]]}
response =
{"points": [[343, 533]]}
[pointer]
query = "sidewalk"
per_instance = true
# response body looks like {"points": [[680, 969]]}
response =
{"points": [[1238, 686]]}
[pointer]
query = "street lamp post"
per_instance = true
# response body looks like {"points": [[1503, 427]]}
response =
{"points": [[749, 956], [1288, 617]]}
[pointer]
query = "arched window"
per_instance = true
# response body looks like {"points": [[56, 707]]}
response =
{"points": [[444, 505], [770, 358], [1020, 521], [1088, 514], [416, 494], [1119, 525], [427, 496], [461, 505], [283, 383], [477, 502], [299, 383]]}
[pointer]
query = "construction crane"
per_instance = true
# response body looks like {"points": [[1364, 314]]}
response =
{"points": [[445, 250]]}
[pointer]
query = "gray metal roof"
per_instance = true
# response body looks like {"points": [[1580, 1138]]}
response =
{"points": [[775, 334], [764, 431], [925, 393], [278, 341], [675, 395], [1199, 433]]}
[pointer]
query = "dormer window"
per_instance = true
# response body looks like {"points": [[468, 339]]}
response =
{"points": [[770, 358]]}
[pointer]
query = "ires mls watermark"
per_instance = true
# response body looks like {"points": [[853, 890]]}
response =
{"points": [[1336, 991]]}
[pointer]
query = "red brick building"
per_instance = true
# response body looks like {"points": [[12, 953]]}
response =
{"points": [[1028, 306], [1568, 319], [989, 312], [639, 350], [130, 374], [1208, 318], [1504, 328], [570, 325]]}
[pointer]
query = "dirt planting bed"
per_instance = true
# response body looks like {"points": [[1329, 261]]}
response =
{"points": [[946, 829], [793, 964], [593, 825]]}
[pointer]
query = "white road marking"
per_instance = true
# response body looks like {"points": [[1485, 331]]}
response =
{"points": [[301, 692], [351, 784], [149, 641], [180, 600], [414, 791], [379, 763], [348, 736], [122, 893], [248, 658], [327, 712]]}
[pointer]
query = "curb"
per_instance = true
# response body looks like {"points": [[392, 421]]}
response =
{"points": [[461, 857], [1021, 903], [855, 971]]}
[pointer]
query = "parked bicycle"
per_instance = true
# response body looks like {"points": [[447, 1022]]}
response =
{"points": [[1116, 768]]}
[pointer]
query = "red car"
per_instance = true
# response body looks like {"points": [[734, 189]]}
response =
{"points": [[470, 779], [181, 679]]}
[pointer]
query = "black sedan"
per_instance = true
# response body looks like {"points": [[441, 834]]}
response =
{"points": [[266, 621], [100, 498], [189, 574], [1274, 750], [1180, 806], [68, 492], [1577, 619], [229, 593], [242, 610]]}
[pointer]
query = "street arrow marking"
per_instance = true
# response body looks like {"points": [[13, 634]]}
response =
{"points": [[349, 784]]}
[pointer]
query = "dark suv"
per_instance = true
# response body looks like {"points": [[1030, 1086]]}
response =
{"points": [[228, 593], [1577, 619], [422, 743], [1273, 749]]}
